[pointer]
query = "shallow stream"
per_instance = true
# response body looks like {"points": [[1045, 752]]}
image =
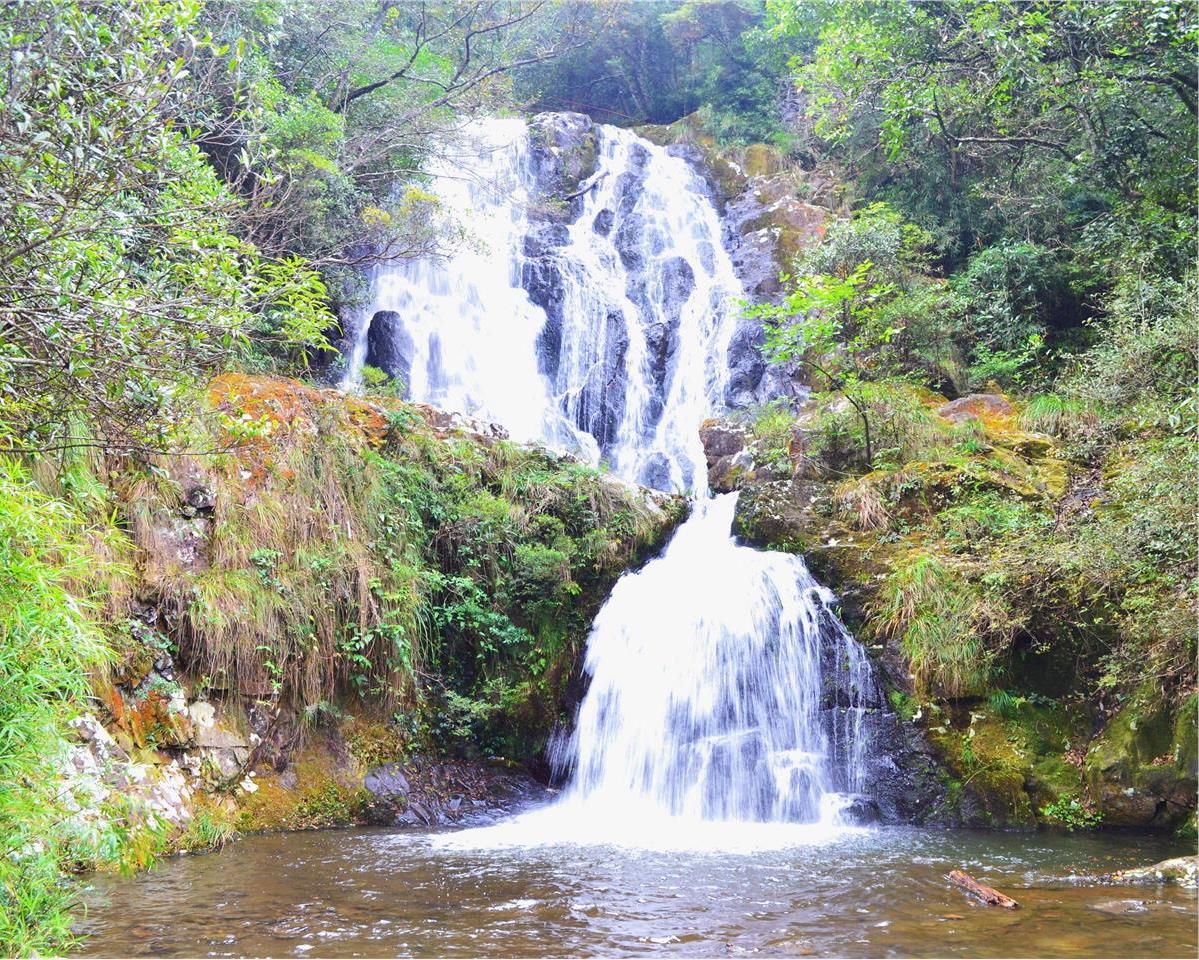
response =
{"points": [[375, 893]]}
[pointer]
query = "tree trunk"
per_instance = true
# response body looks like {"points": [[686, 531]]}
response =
{"points": [[988, 895]]}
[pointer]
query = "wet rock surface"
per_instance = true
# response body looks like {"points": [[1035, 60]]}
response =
{"points": [[389, 346], [1183, 871], [425, 793]]}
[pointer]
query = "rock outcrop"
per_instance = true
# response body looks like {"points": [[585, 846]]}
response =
{"points": [[223, 700], [1047, 758]]}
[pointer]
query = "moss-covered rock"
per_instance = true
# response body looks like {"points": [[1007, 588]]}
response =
{"points": [[1141, 769], [959, 561]]}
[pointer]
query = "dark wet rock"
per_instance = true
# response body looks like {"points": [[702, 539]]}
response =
{"points": [[545, 239], [389, 346], [629, 239], [770, 515], [425, 792], [386, 781], [602, 224], [1141, 767], [542, 280], [599, 407], [730, 463], [862, 810], [199, 499], [655, 473], [678, 283], [563, 153]]}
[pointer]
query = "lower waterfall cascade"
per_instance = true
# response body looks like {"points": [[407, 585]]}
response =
{"points": [[722, 686]]}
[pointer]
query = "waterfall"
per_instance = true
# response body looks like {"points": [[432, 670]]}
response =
{"points": [[707, 696], [722, 685]]}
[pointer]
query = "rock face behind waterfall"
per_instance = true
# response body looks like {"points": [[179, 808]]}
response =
{"points": [[765, 226]]}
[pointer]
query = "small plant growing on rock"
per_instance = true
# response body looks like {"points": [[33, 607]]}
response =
{"points": [[1072, 813]]}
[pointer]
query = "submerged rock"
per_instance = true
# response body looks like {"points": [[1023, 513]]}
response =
{"points": [[1183, 871]]}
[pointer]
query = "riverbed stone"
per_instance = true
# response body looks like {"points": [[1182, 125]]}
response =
{"points": [[1183, 871]]}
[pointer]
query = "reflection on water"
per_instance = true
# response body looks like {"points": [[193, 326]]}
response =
{"points": [[368, 893]]}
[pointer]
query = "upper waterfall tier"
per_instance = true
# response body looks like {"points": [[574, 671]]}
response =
{"points": [[600, 324]]}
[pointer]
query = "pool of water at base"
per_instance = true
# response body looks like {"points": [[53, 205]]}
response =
{"points": [[381, 893]]}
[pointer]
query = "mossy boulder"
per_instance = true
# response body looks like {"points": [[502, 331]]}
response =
{"points": [[1141, 767]]}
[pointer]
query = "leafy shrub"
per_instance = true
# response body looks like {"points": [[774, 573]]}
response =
{"points": [[1073, 814]]}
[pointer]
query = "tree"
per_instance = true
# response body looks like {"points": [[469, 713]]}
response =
{"points": [[314, 113], [862, 318], [1049, 114], [121, 273]]}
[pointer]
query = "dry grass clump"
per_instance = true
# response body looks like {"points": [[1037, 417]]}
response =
{"points": [[276, 586], [861, 503]]}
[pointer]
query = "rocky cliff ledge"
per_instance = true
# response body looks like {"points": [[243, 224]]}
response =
{"points": [[348, 609], [958, 565]]}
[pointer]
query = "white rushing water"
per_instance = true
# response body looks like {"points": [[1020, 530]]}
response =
{"points": [[471, 330], [722, 687]]}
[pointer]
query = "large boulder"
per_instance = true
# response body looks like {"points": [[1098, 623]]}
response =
{"points": [[1141, 769], [389, 346]]}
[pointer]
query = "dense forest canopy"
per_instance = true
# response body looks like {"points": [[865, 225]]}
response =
{"points": [[192, 187]]}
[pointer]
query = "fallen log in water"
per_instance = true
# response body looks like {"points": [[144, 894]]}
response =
{"points": [[959, 878]]}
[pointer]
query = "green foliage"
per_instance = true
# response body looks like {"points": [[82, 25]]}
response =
{"points": [[1072, 813], [772, 425], [1054, 413], [660, 60], [1144, 359], [1005, 705], [381, 383], [210, 828], [133, 275], [1012, 290], [943, 623], [329, 804], [1006, 117], [904, 706], [48, 650], [844, 322]]}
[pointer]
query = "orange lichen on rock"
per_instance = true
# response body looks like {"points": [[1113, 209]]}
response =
{"points": [[144, 721], [258, 414], [294, 406]]}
